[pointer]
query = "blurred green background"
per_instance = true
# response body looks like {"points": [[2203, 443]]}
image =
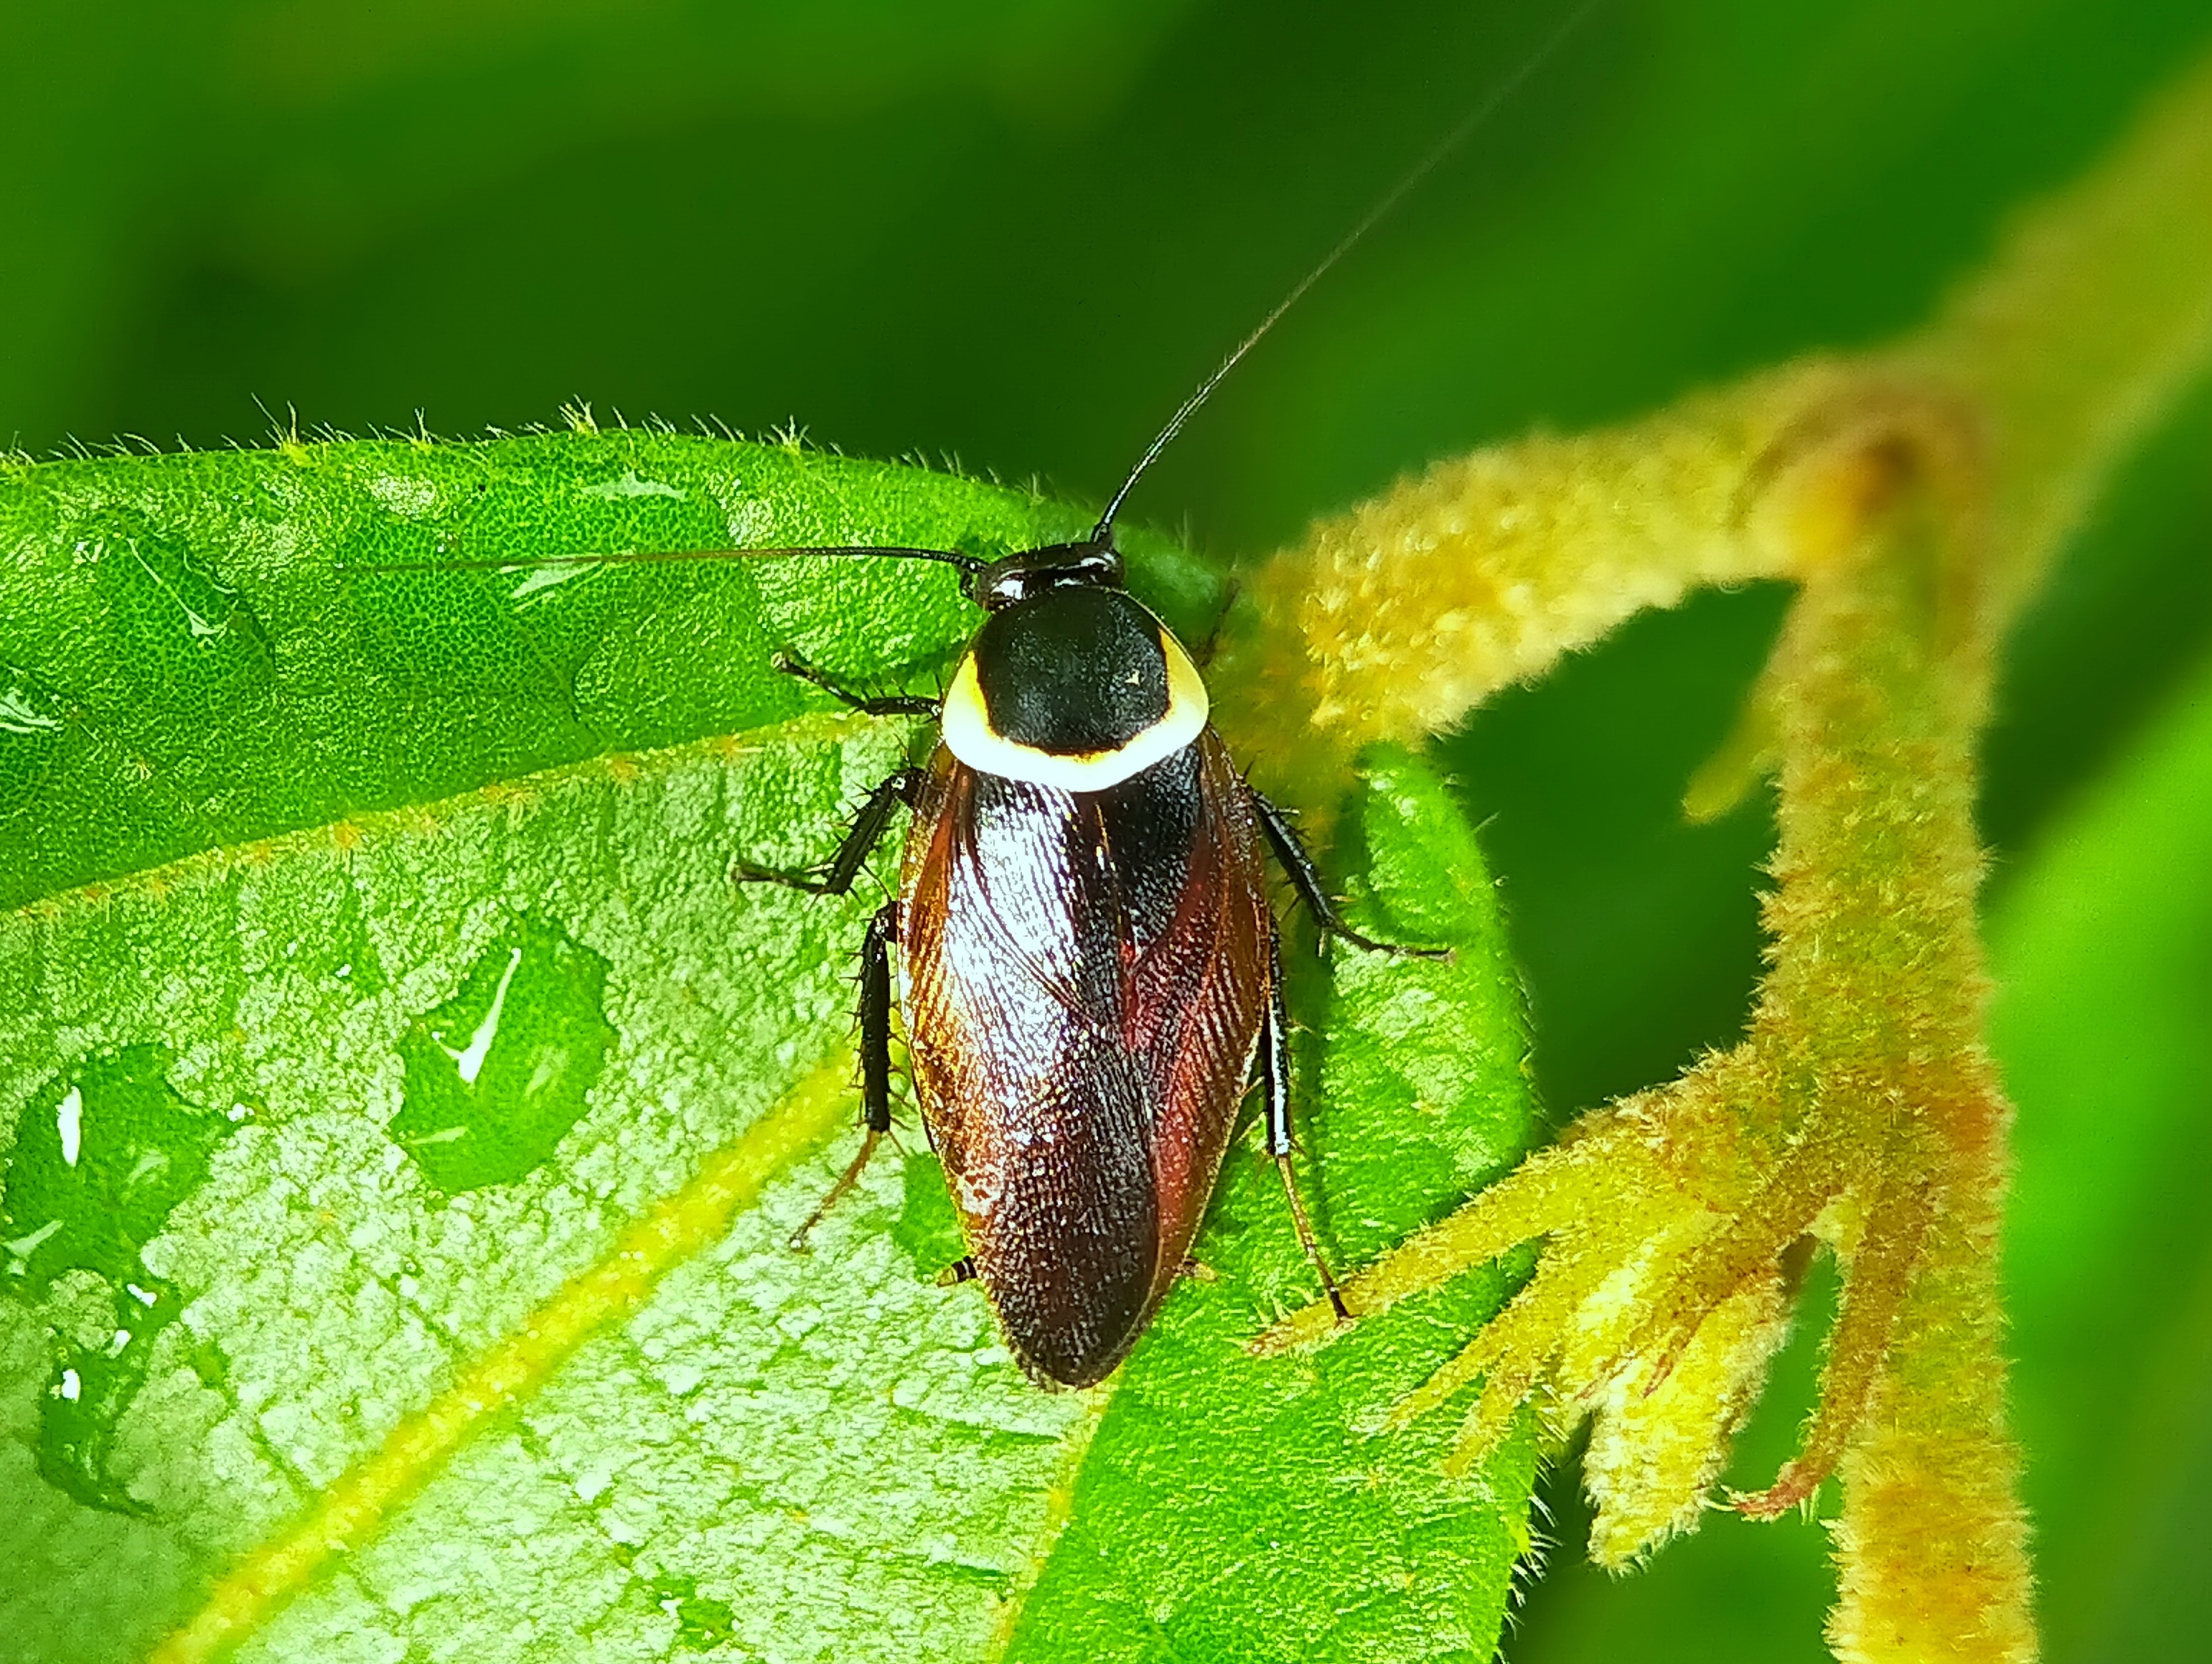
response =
{"points": [[1014, 233]]}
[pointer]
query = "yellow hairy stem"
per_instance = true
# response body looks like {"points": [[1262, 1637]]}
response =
{"points": [[1915, 498]]}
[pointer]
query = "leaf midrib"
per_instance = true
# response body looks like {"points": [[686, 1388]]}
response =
{"points": [[509, 1370]]}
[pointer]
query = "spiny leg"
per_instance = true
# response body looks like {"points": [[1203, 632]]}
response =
{"points": [[1212, 645], [891, 704], [875, 1059], [1305, 876], [1275, 1082], [859, 842]]}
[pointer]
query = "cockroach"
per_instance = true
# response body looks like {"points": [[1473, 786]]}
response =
{"points": [[1088, 963]]}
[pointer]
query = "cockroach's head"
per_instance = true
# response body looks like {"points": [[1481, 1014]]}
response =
{"points": [[1092, 563]]}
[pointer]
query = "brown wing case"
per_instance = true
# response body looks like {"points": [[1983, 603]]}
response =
{"points": [[1083, 980]]}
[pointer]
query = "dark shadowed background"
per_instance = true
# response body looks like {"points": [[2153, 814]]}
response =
{"points": [[1013, 233]]}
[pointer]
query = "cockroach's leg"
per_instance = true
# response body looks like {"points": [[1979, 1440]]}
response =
{"points": [[876, 1019], [860, 839], [875, 1060], [1283, 839], [894, 705], [1275, 1082], [1212, 645], [962, 1269]]}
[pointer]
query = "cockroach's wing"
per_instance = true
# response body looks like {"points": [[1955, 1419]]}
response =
{"points": [[1083, 981], [1198, 988]]}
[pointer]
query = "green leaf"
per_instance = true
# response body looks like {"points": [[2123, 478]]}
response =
{"points": [[2103, 946], [404, 1114]]}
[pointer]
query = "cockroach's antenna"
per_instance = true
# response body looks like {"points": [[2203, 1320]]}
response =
{"points": [[969, 565], [1443, 147]]}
